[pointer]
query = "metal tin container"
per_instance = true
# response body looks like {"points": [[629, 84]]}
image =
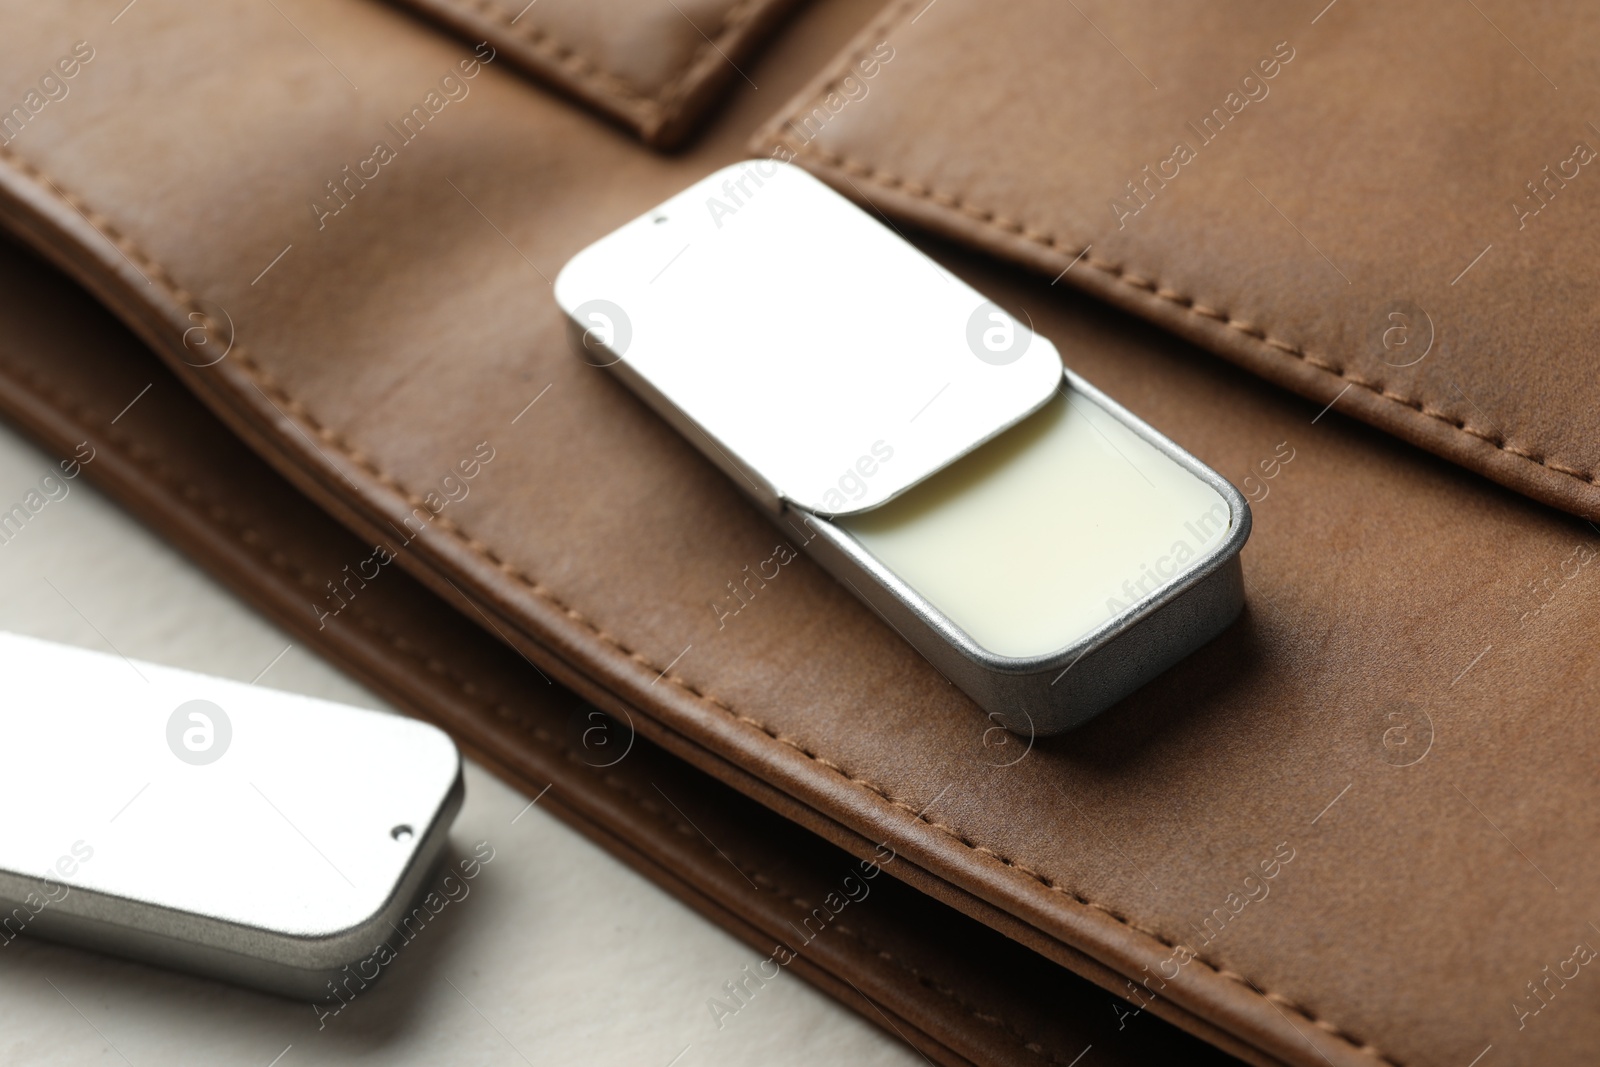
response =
{"points": [[1005, 517], [216, 827]]}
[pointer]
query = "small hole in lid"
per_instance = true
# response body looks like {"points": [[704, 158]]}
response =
{"points": [[659, 219], [403, 832]]}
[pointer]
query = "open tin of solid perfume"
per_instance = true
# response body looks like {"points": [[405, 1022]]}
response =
{"points": [[1043, 547]]}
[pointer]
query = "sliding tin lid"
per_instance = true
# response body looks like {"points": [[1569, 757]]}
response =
{"points": [[801, 344]]}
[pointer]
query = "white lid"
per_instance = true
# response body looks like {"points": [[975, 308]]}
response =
{"points": [[800, 343]]}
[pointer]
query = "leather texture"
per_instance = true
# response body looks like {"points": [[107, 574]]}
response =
{"points": [[658, 68], [1335, 835], [1387, 209], [958, 991]]}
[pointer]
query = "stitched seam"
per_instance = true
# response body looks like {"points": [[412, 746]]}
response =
{"points": [[151, 462], [674, 93], [972, 1010], [789, 896], [1126, 276], [264, 381], [658, 108], [1123, 274]]}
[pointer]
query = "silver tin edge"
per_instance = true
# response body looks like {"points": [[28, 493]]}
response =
{"points": [[269, 960]]}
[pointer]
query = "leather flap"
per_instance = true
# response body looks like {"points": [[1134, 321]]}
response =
{"points": [[1388, 210]]}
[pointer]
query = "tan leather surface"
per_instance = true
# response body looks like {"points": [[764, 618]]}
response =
{"points": [[656, 65], [959, 991], [1387, 590], [1323, 229]]}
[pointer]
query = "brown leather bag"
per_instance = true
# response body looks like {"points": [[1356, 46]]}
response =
{"points": [[1351, 829]]}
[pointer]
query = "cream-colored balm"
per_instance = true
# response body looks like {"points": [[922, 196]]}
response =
{"points": [[1058, 526]]}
